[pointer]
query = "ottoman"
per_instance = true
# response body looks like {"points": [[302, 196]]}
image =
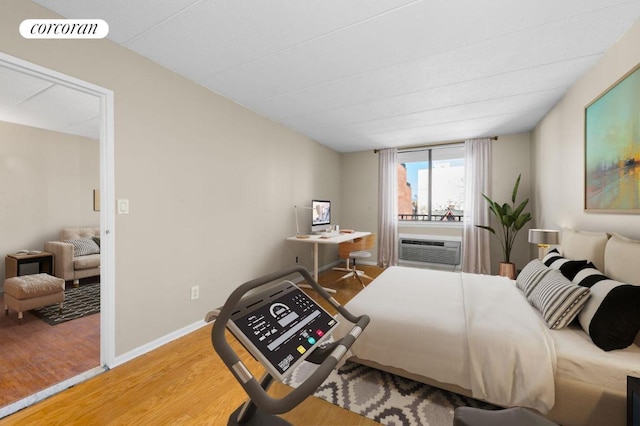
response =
{"points": [[32, 292]]}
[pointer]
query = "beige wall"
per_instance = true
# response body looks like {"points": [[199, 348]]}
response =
{"points": [[558, 148], [211, 185], [359, 193], [48, 180], [510, 156]]}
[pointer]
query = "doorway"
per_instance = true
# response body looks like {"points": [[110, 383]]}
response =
{"points": [[52, 81]]}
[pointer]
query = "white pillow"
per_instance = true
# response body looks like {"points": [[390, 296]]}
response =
{"points": [[584, 245], [622, 259]]}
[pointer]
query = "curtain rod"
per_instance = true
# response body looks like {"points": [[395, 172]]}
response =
{"points": [[375, 151]]}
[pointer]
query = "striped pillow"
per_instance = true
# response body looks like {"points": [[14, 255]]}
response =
{"points": [[530, 276], [557, 299], [611, 316], [568, 268], [83, 246]]}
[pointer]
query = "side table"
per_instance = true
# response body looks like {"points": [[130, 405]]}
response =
{"points": [[13, 262]]}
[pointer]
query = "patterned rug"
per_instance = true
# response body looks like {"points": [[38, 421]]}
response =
{"points": [[386, 398], [78, 302]]}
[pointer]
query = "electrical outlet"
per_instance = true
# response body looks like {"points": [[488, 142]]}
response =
{"points": [[195, 292]]}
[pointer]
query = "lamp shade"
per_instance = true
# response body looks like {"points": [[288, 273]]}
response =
{"points": [[543, 236]]}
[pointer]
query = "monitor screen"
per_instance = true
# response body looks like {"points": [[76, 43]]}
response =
{"points": [[281, 327], [320, 212]]}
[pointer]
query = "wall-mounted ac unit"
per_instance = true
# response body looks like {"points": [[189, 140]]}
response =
{"points": [[430, 251]]}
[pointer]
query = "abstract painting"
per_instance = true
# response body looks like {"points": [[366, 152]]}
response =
{"points": [[612, 148]]}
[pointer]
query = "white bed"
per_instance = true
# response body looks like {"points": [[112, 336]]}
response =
{"points": [[478, 335]]}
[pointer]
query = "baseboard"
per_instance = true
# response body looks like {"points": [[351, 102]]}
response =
{"points": [[141, 350]]}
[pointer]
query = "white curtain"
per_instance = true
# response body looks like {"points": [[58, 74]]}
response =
{"points": [[475, 241], [388, 207]]}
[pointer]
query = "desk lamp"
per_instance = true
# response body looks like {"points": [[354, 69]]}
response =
{"points": [[543, 238]]}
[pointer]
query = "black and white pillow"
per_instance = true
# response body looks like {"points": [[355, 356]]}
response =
{"points": [[83, 246], [568, 268], [557, 299], [530, 276], [588, 276], [611, 316]]}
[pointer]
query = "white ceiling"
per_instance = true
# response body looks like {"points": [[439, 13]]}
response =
{"points": [[35, 102], [363, 74]]}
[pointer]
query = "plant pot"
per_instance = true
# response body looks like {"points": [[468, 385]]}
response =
{"points": [[507, 270]]}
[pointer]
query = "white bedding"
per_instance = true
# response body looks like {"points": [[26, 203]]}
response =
{"points": [[474, 331], [580, 360]]}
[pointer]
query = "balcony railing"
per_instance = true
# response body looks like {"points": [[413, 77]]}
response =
{"points": [[431, 217]]}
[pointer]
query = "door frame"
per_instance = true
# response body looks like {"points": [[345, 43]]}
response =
{"points": [[107, 221]]}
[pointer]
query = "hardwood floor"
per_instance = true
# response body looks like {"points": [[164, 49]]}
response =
{"points": [[36, 355], [183, 382]]}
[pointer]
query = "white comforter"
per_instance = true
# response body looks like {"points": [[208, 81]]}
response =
{"points": [[474, 331]]}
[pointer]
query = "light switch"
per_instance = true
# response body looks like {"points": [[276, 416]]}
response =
{"points": [[123, 206]]}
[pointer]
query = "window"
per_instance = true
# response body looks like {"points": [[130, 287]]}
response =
{"points": [[431, 184]]}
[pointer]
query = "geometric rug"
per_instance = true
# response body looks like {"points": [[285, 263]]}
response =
{"points": [[386, 398], [78, 302]]}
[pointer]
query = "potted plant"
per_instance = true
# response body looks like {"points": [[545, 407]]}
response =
{"points": [[511, 220]]}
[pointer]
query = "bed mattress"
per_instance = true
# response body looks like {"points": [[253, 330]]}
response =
{"points": [[473, 331], [580, 360]]}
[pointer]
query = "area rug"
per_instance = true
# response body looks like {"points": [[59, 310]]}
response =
{"points": [[78, 302], [386, 398]]}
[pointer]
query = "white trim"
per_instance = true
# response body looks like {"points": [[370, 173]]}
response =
{"points": [[46, 393], [141, 350], [107, 200], [107, 230], [429, 224]]}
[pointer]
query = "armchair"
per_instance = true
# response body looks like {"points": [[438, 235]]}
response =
{"points": [[77, 254]]}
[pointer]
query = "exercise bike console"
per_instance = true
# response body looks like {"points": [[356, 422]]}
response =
{"points": [[280, 326]]}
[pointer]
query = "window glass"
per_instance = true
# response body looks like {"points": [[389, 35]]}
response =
{"points": [[431, 184]]}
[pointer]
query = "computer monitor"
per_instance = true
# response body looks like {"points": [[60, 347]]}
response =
{"points": [[320, 215]]}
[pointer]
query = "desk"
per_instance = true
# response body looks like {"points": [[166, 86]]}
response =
{"points": [[317, 239], [12, 263]]}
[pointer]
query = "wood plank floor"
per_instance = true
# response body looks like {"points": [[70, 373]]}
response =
{"points": [[36, 355], [183, 382]]}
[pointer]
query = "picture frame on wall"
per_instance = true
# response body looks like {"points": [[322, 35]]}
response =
{"points": [[612, 148], [96, 200]]}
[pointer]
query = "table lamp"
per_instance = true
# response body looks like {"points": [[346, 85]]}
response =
{"points": [[543, 238]]}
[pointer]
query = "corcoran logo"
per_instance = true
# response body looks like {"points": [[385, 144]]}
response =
{"points": [[64, 28]]}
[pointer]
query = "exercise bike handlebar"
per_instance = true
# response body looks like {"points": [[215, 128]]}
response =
{"points": [[253, 388]]}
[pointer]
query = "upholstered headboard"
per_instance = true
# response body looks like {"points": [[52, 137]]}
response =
{"points": [[618, 257], [584, 245], [622, 259]]}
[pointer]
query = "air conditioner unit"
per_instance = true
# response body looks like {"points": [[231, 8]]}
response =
{"points": [[430, 251]]}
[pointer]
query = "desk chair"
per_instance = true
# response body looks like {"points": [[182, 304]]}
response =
{"points": [[352, 250]]}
